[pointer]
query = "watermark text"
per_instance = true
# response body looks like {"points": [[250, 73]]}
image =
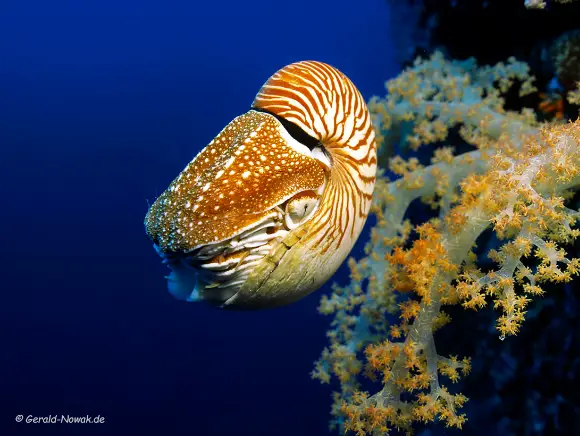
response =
{"points": [[60, 419]]}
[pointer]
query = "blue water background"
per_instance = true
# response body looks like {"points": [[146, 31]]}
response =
{"points": [[102, 103]]}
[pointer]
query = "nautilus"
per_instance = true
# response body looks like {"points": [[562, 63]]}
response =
{"points": [[267, 212]]}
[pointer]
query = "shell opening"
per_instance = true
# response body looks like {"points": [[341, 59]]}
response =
{"points": [[301, 141], [296, 132]]}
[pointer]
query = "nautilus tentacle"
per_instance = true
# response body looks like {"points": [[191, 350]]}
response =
{"points": [[267, 212]]}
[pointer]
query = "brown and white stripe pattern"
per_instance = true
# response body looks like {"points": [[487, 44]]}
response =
{"points": [[326, 105]]}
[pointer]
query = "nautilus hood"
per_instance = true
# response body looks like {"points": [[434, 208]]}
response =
{"points": [[249, 168]]}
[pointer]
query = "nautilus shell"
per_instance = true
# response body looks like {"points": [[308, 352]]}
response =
{"points": [[267, 212]]}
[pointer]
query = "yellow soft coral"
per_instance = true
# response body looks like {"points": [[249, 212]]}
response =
{"points": [[515, 181]]}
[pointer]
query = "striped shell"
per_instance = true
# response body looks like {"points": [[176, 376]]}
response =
{"points": [[327, 106], [267, 212]]}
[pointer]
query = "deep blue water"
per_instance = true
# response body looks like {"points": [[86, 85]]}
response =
{"points": [[101, 105]]}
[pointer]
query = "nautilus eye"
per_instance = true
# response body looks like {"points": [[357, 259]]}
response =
{"points": [[300, 207], [267, 212]]}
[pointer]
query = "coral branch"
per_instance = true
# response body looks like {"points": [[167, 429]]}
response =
{"points": [[515, 182]]}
